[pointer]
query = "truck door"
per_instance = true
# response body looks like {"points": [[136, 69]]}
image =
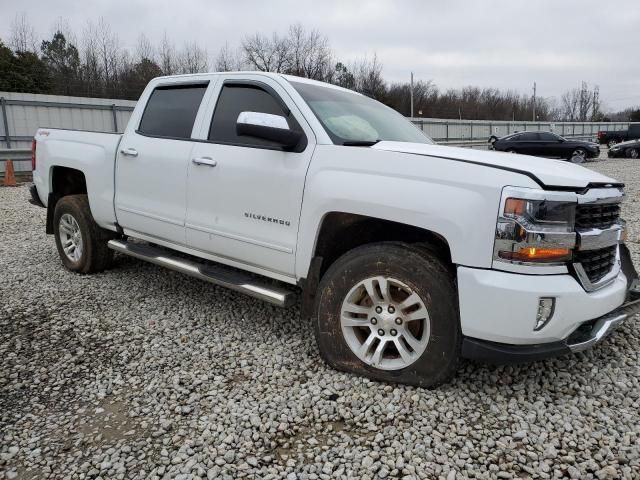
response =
{"points": [[245, 193], [152, 163]]}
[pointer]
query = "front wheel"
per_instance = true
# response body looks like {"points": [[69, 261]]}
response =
{"points": [[389, 311], [579, 155], [81, 243], [633, 153], [611, 143]]}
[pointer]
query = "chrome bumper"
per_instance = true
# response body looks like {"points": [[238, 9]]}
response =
{"points": [[603, 326]]}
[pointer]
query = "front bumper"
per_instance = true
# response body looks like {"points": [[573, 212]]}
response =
{"points": [[497, 312]]}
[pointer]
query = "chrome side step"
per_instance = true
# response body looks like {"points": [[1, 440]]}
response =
{"points": [[219, 275]]}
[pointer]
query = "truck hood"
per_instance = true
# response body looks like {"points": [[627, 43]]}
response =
{"points": [[547, 172]]}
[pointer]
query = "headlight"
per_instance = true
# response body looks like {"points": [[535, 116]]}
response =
{"points": [[535, 230]]}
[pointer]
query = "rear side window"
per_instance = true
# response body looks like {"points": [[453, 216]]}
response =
{"points": [[527, 137], [171, 111], [235, 99]]}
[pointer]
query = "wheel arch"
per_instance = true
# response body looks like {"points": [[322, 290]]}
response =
{"points": [[340, 232], [63, 181]]}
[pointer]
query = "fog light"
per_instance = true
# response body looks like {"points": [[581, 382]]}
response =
{"points": [[546, 306]]}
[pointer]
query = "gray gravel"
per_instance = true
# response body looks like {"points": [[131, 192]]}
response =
{"points": [[143, 373]]}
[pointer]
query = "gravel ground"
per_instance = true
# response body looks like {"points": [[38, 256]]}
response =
{"points": [[143, 373]]}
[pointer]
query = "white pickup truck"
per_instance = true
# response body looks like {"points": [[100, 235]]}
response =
{"points": [[406, 255]]}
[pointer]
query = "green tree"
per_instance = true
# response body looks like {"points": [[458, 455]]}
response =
{"points": [[22, 72], [63, 62], [135, 78], [343, 77]]}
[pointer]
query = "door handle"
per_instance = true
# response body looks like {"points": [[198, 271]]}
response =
{"points": [[129, 152], [208, 161]]}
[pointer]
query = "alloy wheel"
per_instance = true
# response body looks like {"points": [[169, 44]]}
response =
{"points": [[70, 237], [385, 323], [578, 155]]}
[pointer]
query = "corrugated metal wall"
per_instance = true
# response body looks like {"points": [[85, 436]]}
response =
{"points": [[477, 132], [25, 112]]}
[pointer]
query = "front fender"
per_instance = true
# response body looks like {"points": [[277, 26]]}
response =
{"points": [[454, 200]]}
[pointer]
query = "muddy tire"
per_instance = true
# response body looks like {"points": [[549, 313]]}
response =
{"points": [[389, 311], [82, 244]]}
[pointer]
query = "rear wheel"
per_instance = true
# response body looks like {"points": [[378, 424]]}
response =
{"points": [[81, 243], [389, 311], [612, 142], [633, 153]]}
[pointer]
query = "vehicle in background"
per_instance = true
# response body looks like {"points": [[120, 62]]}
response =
{"points": [[619, 136], [546, 144], [630, 149], [407, 255]]}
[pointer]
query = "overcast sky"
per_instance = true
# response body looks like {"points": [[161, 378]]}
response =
{"points": [[505, 44]]}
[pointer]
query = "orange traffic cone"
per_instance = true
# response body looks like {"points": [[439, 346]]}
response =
{"points": [[9, 176]]}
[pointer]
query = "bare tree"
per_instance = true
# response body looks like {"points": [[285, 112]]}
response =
{"points": [[581, 104], [109, 55], [228, 60], [144, 49], [168, 58], [368, 77], [23, 35], [309, 53], [91, 72], [193, 59], [267, 54]]}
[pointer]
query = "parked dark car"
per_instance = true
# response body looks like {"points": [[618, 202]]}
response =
{"points": [[630, 149], [546, 144], [618, 136]]}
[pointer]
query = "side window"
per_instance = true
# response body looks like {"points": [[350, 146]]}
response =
{"points": [[171, 111], [528, 137], [235, 99]]}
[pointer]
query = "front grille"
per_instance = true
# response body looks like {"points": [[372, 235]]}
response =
{"points": [[597, 263], [597, 215]]}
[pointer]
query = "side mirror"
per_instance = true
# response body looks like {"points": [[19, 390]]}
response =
{"points": [[268, 127]]}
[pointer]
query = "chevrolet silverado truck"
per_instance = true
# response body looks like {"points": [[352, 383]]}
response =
{"points": [[406, 255]]}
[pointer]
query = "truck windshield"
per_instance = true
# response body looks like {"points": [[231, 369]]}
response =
{"points": [[353, 119]]}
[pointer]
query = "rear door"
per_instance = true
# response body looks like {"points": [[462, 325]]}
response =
{"points": [[245, 193], [549, 145], [152, 163], [527, 143]]}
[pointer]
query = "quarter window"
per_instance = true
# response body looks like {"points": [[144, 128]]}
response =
{"points": [[548, 137], [235, 99], [171, 111]]}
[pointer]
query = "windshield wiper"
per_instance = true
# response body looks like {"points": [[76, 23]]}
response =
{"points": [[360, 143]]}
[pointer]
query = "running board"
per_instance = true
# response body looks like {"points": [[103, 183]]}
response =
{"points": [[219, 275]]}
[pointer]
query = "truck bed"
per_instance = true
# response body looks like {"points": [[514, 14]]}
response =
{"points": [[92, 153]]}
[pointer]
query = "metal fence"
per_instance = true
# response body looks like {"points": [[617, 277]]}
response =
{"points": [[476, 133], [22, 113]]}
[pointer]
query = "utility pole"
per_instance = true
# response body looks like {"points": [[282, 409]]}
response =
{"points": [[411, 93], [534, 101]]}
